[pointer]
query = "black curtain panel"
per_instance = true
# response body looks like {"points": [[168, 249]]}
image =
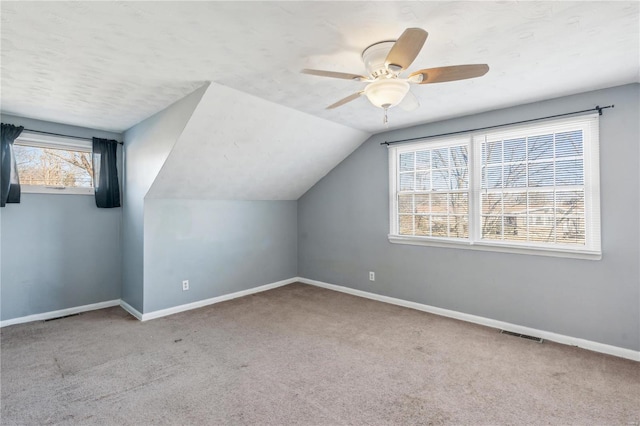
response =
{"points": [[8, 167], [105, 173]]}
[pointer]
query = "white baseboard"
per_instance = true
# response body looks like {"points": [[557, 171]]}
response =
{"points": [[148, 316], [133, 311], [547, 335], [60, 313], [206, 302]]}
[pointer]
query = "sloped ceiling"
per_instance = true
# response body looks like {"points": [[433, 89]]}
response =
{"points": [[109, 65], [240, 147], [261, 131]]}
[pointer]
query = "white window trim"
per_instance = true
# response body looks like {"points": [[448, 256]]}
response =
{"points": [[59, 190], [28, 138], [591, 184]]}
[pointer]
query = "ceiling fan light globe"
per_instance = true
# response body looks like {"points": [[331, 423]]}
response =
{"points": [[386, 93]]}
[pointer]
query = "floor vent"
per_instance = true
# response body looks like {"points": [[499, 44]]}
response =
{"points": [[66, 316], [524, 336]]}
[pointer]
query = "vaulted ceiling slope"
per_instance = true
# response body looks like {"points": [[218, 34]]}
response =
{"points": [[109, 65], [240, 147]]}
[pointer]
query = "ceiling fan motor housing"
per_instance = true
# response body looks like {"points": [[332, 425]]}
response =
{"points": [[374, 58]]}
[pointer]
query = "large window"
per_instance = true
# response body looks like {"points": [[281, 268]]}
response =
{"points": [[52, 164], [528, 189]]}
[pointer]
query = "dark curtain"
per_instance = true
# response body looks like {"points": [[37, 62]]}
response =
{"points": [[8, 168], [105, 173]]}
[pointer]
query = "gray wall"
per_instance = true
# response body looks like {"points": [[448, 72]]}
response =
{"points": [[57, 251], [146, 145], [221, 247], [343, 222]]}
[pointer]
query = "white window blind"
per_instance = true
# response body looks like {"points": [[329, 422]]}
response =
{"points": [[533, 186], [433, 193]]}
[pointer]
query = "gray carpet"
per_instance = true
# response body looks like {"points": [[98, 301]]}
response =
{"points": [[302, 355]]}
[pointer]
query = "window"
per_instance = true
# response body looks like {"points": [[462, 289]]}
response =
{"points": [[433, 196], [527, 189], [52, 164]]}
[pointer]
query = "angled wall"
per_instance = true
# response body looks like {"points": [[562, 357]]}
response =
{"points": [[222, 211], [240, 147], [343, 222], [146, 147], [210, 190]]}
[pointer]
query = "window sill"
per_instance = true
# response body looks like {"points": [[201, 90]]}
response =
{"points": [[501, 248], [35, 189]]}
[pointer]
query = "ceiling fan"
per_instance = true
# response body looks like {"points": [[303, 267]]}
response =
{"points": [[386, 60]]}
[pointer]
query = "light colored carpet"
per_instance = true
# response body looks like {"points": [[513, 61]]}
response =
{"points": [[303, 355]]}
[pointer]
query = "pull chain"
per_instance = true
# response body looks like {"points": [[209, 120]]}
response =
{"points": [[386, 119]]}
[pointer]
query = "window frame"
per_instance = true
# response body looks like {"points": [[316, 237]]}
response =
{"points": [[37, 140], [436, 144], [592, 248]]}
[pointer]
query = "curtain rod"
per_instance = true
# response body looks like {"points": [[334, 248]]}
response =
{"points": [[597, 108], [64, 136]]}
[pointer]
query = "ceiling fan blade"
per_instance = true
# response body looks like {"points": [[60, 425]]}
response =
{"points": [[406, 49], [409, 103], [452, 73], [345, 100], [333, 74]]}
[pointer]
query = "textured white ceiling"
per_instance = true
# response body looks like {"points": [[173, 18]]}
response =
{"points": [[108, 65], [239, 147]]}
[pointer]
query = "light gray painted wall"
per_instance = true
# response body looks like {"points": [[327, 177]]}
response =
{"points": [[146, 145], [343, 222], [57, 251], [221, 247]]}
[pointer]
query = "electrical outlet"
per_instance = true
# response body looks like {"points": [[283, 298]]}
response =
{"points": [[185, 285], [372, 276]]}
